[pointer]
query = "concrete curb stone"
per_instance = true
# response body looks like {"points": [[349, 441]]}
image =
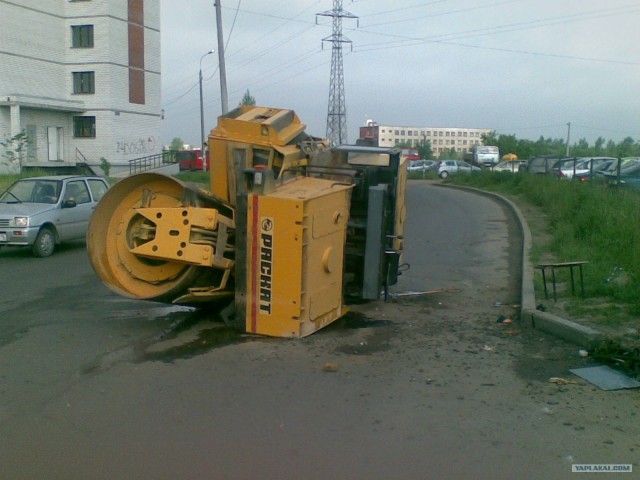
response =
{"points": [[557, 326]]}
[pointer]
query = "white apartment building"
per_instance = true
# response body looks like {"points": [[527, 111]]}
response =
{"points": [[441, 139], [81, 78]]}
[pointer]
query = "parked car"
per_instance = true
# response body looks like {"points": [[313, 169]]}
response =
{"points": [[42, 212], [450, 167], [583, 167], [628, 175], [512, 166], [541, 165], [421, 165], [621, 165]]}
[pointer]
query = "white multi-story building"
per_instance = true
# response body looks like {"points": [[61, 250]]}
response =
{"points": [[441, 139], [81, 78]]}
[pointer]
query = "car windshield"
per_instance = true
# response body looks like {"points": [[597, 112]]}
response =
{"points": [[32, 191]]}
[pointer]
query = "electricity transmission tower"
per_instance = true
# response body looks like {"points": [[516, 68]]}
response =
{"points": [[337, 113]]}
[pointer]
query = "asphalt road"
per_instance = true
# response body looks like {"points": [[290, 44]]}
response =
{"points": [[94, 386]]}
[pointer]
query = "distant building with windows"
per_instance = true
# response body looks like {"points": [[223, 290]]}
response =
{"points": [[82, 79], [440, 138]]}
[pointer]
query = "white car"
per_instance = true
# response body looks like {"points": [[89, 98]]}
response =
{"points": [[512, 166], [41, 212], [450, 167]]}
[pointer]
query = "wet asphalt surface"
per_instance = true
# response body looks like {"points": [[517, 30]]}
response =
{"points": [[431, 385]]}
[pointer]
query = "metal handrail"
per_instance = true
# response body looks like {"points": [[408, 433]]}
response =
{"points": [[151, 162], [80, 154]]}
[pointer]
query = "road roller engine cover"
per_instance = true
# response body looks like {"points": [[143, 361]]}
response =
{"points": [[289, 231]]}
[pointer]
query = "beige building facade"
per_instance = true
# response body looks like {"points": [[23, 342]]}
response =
{"points": [[81, 79], [441, 139]]}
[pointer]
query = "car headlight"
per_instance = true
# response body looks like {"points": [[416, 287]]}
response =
{"points": [[21, 221]]}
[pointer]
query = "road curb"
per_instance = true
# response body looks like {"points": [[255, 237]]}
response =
{"points": [[557, 326]]}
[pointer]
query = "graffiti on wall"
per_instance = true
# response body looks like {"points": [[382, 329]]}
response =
{"points": [[137, 148]]}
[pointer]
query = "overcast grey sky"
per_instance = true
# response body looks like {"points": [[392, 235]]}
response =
{"points": [[523, 67]]}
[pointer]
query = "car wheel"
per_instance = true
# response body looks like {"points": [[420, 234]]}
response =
{"points": [[45, 243], [444, 174]]}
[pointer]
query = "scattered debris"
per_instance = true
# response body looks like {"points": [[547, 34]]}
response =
{"points": [[606, 378], [623, 354], [487, 348], [501, 319], [563, 381], [583, 353], [428, 292]]}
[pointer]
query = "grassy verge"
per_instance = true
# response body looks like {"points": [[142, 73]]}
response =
{"points": [[7, 180], [201, 178], [586, 221]]}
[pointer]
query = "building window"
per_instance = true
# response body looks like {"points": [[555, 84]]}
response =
{"points": [[82, 36], [84, 82], [84, 127]]}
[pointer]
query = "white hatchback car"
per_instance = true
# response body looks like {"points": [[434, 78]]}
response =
{"points": [[450, 167], [41, 212]]}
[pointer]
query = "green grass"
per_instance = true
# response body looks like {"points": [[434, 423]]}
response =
{"points": [[587, 221], [194, 177], [7, 180]]}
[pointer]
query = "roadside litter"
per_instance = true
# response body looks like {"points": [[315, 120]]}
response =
{"points": [[605, 378]]}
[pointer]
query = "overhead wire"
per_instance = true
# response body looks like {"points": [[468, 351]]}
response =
{"points": [[404, 41], [450, 38]]}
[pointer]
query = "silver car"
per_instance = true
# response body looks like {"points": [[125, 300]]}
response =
{"points": [[449, 167], [42, 212]]}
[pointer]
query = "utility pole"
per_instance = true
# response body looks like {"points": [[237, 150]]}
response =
{"points": [[568, 136], [223, 71], [202, 139], [337, 112]]}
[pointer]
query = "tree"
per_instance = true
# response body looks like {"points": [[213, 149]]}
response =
{"points": [[247, 99], [176, 144], [424, 149], [15, 149], [449, 154]]}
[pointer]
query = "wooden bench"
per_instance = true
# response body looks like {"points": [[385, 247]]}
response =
{"points": [[543, 267]]}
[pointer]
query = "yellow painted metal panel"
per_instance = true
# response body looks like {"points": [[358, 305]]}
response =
{"points": [[288, 265]]}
